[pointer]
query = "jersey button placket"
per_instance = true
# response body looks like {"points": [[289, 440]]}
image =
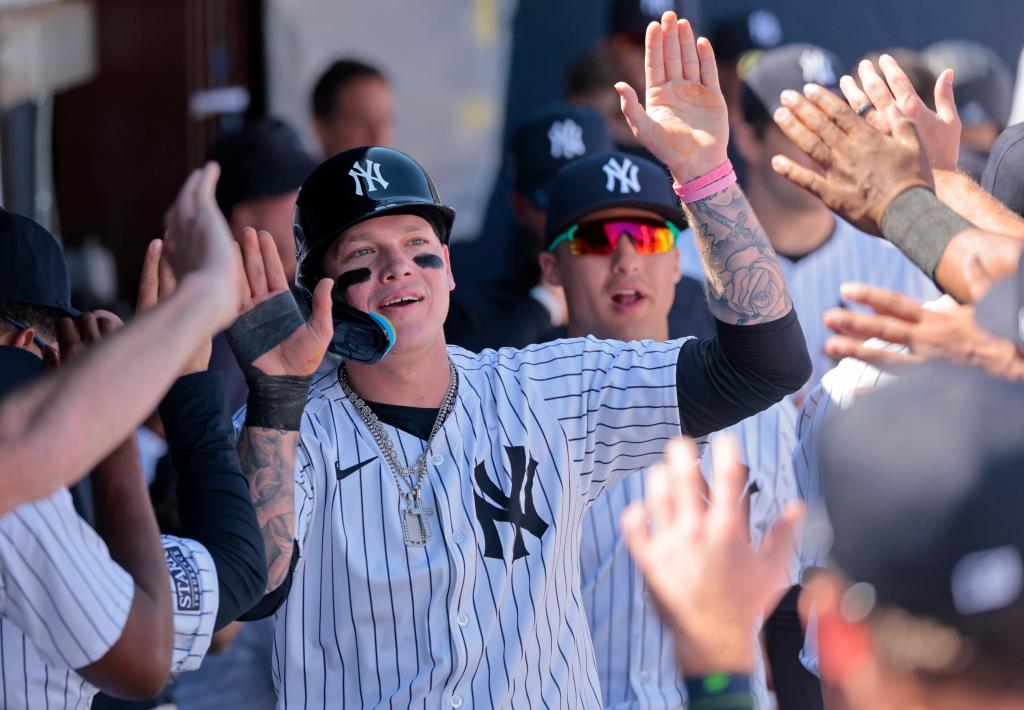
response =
{"points": [[455, 701]]}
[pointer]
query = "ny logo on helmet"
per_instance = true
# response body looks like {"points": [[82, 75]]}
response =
{"points": [[566, 139], [625, 174], [371, 174]]}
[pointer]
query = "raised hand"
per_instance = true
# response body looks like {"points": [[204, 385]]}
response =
{"points": [[685, 123], [78, 335], [939, 130], [710, 586], [948, 333], [198, 242], [863, 170], [301, 353], [156, 284]]}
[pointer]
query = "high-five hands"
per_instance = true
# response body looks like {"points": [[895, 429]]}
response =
{"points": [[710, 586], [684, 121]]}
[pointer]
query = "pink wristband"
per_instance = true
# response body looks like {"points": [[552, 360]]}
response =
{"points": [[707, 190], [707, 178]]}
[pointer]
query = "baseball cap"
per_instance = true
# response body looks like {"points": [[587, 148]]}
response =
{"points": [[789, 67], [32, 268], [1001, 310], [614, 179], [1004, 172], [982, 83], [734, 36], [922, 484], [631, 17], [262, 159], [551, 138]]}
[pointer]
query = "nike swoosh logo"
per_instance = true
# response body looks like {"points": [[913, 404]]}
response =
{"points": [[344, 473]]}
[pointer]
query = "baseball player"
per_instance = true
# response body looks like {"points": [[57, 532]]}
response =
{"points": [[422, 514], [72, 618]]}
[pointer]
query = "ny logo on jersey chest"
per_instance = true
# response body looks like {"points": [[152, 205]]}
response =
{"points": [[517, 508]]}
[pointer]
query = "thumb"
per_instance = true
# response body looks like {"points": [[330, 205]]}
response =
{"points": [[945, 102], [322, 322], [636, 116]]}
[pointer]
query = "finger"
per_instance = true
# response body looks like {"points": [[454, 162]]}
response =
{"points": [[858, 99], [903, 128], [687, 480], [945, 101], [835, 111], [800, 176], [874, 86], [108, 322], [636, 532], [691, 60], [839, 347], [206, 189], [321, 320], [149, 291], [708, 64], [276, 280], [252, 258], [67, 337], [780, 544], [902, 90], [867, 325], [799, 131], [637, 118], [167, 282], [671, 49], [660, 502], [883, 301], [654, 56], [51, 359], [728, 482], [88, 328], [244, 292]]}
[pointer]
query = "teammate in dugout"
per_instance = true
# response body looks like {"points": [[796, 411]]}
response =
{"points": [[422, 513]]}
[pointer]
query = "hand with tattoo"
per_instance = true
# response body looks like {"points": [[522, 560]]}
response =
{"points": [[863, 170], [684, 121]]}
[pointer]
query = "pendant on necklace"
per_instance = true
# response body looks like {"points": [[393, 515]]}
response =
{"points": [[417, 529]]}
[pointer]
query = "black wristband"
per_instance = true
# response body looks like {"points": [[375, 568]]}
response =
{"points": [[719, 691], [277, 402], [921, 227], [263, 328]]}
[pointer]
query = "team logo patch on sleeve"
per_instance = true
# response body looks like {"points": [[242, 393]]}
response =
{"points": [[184, 580]]}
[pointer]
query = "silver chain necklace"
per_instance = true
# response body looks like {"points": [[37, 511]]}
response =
{"points": [[414, 513]]}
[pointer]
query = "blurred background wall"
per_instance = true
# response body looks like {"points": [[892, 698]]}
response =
{"points": [[97, 149]]}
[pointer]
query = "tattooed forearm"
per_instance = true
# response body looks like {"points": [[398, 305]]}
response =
{"points": [[268, 461], [744, 282]]}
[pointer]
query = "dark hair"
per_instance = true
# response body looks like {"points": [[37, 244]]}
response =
{"points": [[591, 73], [43, 318], [337, 76], [754, 112]]}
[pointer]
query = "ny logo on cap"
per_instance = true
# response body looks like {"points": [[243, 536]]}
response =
{"points": [[625, 175], [816, 67], [566, 139], [371, 174]]}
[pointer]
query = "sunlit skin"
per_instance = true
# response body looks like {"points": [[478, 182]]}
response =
{"points": [[622, 296], [414, 298]]}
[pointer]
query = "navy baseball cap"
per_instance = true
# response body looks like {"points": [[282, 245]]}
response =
{"points": [[550, 139], [631, 17], [923, 487], [789, 67], [32, 268], [263, 159], [1004, 171], [734, 36], [600, 182], [982, 83]]}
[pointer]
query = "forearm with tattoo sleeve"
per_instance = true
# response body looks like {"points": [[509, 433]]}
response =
{"points": [[744, 281], [268, 462]]}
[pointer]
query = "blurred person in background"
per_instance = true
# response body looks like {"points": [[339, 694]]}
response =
{"points": [[983, 85], [738, 41], [352, 107]]}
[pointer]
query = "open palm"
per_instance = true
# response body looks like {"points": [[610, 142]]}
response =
{"points": [[685, 123]]}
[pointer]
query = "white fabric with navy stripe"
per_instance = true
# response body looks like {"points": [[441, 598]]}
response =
{"points": [[488, 613], [65, 603]]}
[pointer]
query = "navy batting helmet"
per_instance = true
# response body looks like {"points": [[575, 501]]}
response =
{"points": [[354, 186]]}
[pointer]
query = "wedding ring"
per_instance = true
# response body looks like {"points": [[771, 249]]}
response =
{"points": [[864, 109]]}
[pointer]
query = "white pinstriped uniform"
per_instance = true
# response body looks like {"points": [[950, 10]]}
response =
{"points": [[814, 280], [488, 613], [64, 603]]}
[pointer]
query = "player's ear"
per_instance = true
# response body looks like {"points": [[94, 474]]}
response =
{"points": [[24, 338], [447, 255], [549, 270]]}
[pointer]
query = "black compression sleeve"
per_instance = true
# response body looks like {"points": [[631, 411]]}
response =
{"points": [[740, 372], [213, 495], [272, 601]]}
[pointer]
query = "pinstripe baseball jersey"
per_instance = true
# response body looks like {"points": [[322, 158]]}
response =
{"points": [[488, 613], [65, 603], [814, 280]]}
